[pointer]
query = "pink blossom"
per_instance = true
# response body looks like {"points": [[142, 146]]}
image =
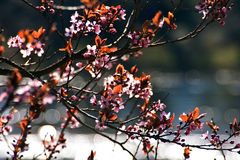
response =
{"points": [[125, 57], [100, 125], [38, 48], [69, 32], [23, 90], [122, 14], [91, 51], [132, 87], [26, 51], [27, 48], [98, 63], [35, 83], [67, 74], [139, 39], [103, 20], [136, 90], [95, 24], [97, 29], [75, 17], [79, 65], [48, 99], [56, 76], [3, 96], [205, 135], [158, 106], [215, 140], [74, 98], [137, 54], [214, 9], [15, 42], [93, 100], [104, 103], [74, 123], [118, 105], [111, 101], [5, 130], [160, 25]]}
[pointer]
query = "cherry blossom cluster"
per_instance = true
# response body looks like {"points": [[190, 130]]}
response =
{"points": [[46, 6], [125, 82], [116, 87], [96, 18], [215, 139], [78, 25], [138, 39], [28, 42], [216, 9], [192, 120], [150, 28], [99, 62], [154, 120], [156, 123], [98, 57]]}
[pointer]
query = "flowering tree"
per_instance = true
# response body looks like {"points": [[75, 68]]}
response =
{"points": [[105, 94]]}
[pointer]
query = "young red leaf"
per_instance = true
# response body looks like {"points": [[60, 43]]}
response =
{"points": [[113, 117], [37, 34], [156, 18], [68, 47], [187, 151], [117, 89], [120, 69]]}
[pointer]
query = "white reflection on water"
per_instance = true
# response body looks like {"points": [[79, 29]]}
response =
{"points": [[79, 147], [46, 132], [108, 151]]}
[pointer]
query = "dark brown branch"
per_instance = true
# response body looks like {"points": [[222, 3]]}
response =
{"points": [[30, 4]]}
